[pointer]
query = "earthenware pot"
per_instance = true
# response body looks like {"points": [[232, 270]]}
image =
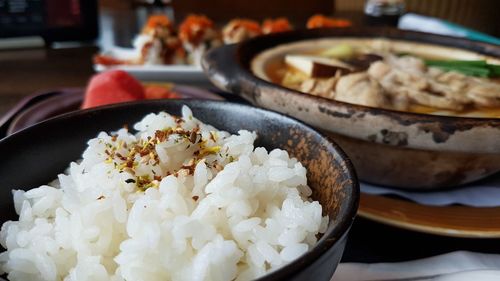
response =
{"points": [[391, 148]]}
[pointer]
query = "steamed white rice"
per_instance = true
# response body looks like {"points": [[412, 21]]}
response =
{"points": [[202, 205]]}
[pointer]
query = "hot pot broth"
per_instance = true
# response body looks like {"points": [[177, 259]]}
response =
{"points": [[391, 74]]}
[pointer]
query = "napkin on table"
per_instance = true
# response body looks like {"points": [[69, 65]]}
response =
{"points": [[422, 23], [455, 266]]}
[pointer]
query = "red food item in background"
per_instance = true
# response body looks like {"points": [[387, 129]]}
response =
{"points": [[112, 86], [318, 21], [152, 92], [276, 25], [157, 21], [162, 32], [247, 24], [240, 29], [108, 60]]}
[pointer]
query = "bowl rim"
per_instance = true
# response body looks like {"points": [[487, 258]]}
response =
{"points": [[345, 217], [246, 51]]}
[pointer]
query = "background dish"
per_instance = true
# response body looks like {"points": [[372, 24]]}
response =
{"points": [[165, 73], [337, 190], [390, 148]]}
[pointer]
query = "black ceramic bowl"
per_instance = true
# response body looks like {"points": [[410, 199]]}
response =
{"points": [[36, 155]]}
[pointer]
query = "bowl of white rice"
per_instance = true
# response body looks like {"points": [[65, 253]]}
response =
{"points": [[173, 190]]}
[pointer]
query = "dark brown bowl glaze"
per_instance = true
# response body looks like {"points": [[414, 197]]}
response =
{"points": [[34, 156], [399, 149]]}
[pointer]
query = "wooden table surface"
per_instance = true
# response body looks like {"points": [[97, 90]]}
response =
{"points": [[23, 72], [26, 71]]}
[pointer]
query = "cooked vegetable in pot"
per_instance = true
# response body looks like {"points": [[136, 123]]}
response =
{"points": [[376, 75]]}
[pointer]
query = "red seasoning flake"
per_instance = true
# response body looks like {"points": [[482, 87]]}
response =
{"points": [[160, 135], [179, 121], [195, 198], [193, 136], [121, 157]]}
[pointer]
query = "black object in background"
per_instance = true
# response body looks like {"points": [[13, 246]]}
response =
{"points": [[383, 12], [54, 20], [372, 242]]}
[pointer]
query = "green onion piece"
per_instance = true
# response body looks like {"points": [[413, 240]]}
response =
{"points": [[478, 68], [494, 69], [453, 63], [469, 71]]}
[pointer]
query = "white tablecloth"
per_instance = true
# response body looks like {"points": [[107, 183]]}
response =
{"points": [[456, 266]]}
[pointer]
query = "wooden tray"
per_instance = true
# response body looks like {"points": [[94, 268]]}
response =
{"points": [[455, 221]]}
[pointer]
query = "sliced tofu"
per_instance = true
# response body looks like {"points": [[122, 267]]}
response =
{"points": [[316, 67]]}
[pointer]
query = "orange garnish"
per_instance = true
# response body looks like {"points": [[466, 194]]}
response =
{"points": [[193, 28], [155, 21], [276, 25], [247, 24], [318, 21], [108, 60], [159, 92]]}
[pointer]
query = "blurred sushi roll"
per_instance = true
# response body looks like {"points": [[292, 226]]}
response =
{"points": [[276, 25], [238, 30], [198, 34], [158, 42]]}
